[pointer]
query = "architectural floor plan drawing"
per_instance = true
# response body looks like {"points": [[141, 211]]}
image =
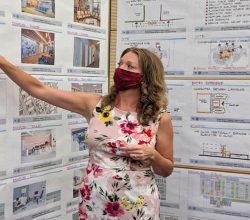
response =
{"points": [[219, 192]]}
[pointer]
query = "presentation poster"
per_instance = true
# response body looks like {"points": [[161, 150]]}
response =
{"points": [[43, 149], [204, 47], [212, 129], [192, 38]]}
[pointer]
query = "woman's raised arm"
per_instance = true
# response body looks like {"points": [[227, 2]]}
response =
{"points": [[78, 102]]}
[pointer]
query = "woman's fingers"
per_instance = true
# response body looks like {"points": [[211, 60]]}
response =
{"points": [[134, 156], [137, 152]]}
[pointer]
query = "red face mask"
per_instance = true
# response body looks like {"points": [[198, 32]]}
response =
{"points": [[125, 79]]}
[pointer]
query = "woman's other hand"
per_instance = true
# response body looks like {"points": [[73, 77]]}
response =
{"points": [[139, 152]]}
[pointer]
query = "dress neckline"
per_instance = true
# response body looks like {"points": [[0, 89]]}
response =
{"points": [[120, 110]]}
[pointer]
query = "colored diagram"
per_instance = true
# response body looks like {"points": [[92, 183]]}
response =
{"points": [[217, 195], [162, 51], [221, 151], [222, 191], [170, 51], [229, 54], [226, 98], [213, 56], [211, 103]]}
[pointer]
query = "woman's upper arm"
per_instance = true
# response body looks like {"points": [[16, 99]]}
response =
{"points": [[79, 102], [164, 142]]}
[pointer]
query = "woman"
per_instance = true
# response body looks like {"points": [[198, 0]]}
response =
{"points": [[130, 136]]}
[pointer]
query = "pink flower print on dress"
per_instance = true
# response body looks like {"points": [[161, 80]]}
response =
{"points": [[121, 143], [117, 177], [114, 209], [85, 192], [113, 146], [146, 136], [97, 171], [83, 213], [128, 127]]}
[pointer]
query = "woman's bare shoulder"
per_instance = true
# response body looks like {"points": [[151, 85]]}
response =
{"points": [[165, 121]]}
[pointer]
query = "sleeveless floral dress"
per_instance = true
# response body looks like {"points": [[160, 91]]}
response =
{"points": [[115, 186]]}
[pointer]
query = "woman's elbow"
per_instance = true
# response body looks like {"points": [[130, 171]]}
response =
{"points": [[166, 171]]}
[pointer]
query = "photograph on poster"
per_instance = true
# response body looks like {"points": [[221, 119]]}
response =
{"points": [[45, 8], [77, 181], [2, 211], [29, 105], [87, 87], [28, 197], [87, 12], [37, 145], [37, 47], [86, 52], [78, 139]]}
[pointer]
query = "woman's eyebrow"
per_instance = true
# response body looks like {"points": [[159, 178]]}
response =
{"points": [[132, 62]]}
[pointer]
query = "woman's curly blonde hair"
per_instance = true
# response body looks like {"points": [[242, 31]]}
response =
{"points": [[153, 89]]}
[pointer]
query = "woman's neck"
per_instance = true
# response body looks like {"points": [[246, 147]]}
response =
{"points": [[127, 100]]}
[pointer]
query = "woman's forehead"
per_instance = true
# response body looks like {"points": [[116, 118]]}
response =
{"points": [[130, 56]]}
